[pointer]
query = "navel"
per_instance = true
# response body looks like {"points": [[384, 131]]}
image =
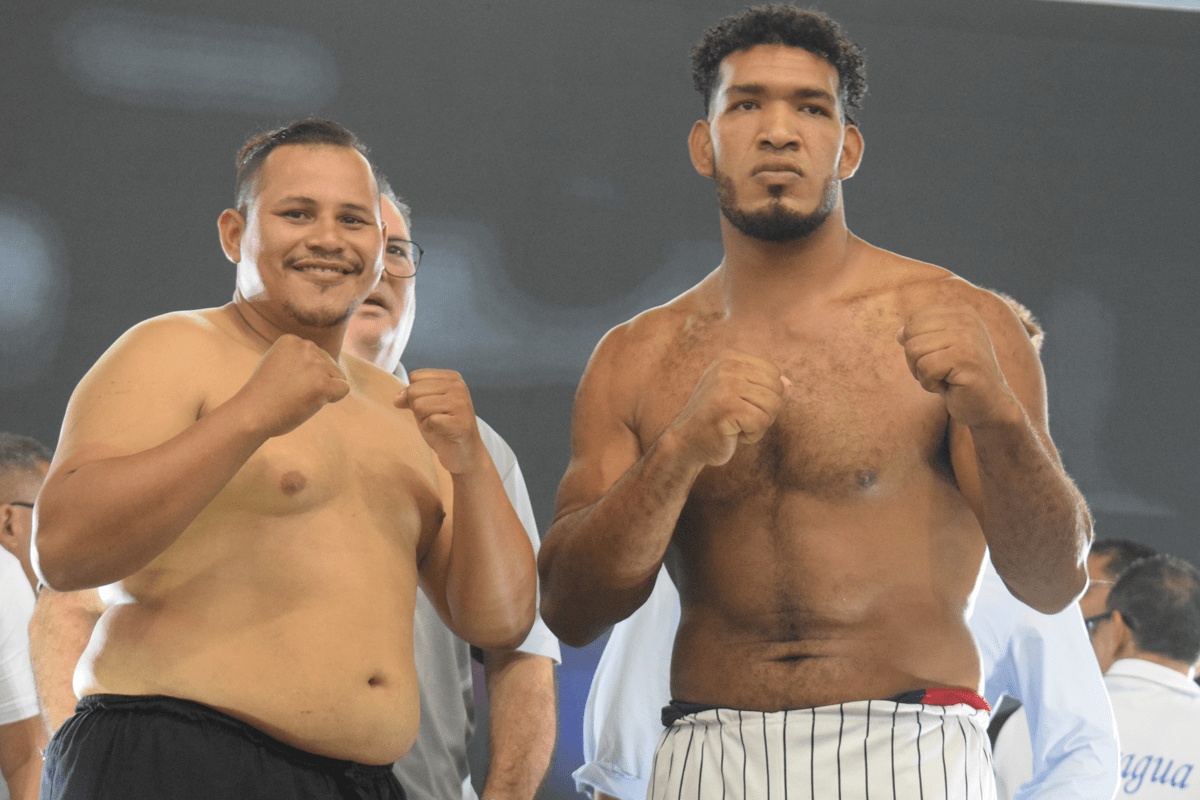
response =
{"points": [[292, 483], [376, 680]]}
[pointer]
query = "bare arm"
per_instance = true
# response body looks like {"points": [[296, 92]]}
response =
{"points": [[618, 505], [479, 572], [140, 455], [1034, 519], [59, 632], [21, 744], [523, 722]]}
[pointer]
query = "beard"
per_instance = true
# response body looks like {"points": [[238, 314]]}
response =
{"points": [[323, 318], [775, 223]]}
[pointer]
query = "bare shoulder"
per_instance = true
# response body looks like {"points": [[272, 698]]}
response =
{"points": [[634, 350]]}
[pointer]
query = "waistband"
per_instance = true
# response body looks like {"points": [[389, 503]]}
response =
{"points": [[193, 712], [678, 709]]}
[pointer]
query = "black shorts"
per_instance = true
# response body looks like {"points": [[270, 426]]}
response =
{"points": [[163, 748]]}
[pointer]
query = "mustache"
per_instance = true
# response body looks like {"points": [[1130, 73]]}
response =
{"points": [[321, 256]]}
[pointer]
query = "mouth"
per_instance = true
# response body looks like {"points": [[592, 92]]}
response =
{"points": [[317, 267], [375, 301], [777, 169]]}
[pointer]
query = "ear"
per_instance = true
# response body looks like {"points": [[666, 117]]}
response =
{"points": [[1124, 644], [852, 151], [231, 225], [8, 536], [700, 148]]}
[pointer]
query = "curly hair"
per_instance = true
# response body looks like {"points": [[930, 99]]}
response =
{"points": [[306, 131], [787, 25]]}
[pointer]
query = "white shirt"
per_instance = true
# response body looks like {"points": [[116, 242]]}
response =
{"points": [[18, 695], [1027, 654], [1046, 662], [1158, 723]]}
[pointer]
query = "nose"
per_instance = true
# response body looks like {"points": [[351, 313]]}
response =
{"points": [[778, 130], [325, 234]]}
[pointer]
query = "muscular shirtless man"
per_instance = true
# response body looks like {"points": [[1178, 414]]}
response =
{"points": [[269, 513], [819, 439]]}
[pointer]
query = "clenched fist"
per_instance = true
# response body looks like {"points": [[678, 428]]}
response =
{"points": [[950, 352], [293, 380], [735, 401], [439, 399]]}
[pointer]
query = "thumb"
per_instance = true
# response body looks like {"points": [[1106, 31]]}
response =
{"points": [[401, 400]]}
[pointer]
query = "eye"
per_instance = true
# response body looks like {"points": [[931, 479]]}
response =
{"points": [[813, 109], [292, 214], [352, 220], [745, 105]]}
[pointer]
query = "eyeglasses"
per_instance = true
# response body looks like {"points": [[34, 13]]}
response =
{"points": [[20, 503], [401, 257], [1093, 622]]}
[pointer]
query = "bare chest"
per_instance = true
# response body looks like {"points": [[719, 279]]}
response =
{"points": [[853, 424]]}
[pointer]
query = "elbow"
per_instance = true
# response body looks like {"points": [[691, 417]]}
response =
{"points": [[569, 629], [56, 560]]}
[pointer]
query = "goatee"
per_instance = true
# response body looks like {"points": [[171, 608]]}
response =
{"points": [[775, 223], [317, 319]]}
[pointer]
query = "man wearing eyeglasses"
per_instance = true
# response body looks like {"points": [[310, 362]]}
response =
{"points": [[1148, 644], [269, 506], [23, 464]]}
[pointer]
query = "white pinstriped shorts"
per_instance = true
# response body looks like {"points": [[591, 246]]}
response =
{"points": [[864, 750]]}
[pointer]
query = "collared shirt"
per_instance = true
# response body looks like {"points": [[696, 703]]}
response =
{"points": [[1047, 662], [18, 695], [1158, 724], [436, 767], [1029, 655]]}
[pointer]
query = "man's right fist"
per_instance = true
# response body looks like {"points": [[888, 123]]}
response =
{"points": [[735, 401], [293, 380]]}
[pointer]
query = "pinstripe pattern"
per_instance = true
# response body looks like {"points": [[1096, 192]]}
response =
{"points": [[710, 756]]}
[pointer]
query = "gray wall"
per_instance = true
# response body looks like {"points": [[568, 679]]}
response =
{"points": [[1044, 149]]}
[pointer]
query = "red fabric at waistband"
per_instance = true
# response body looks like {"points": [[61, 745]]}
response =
{"points": [[950, 697]]}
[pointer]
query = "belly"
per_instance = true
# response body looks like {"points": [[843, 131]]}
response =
{"points": [[312, 645], [791, 601]]}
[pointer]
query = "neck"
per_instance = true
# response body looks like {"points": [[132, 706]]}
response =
{"points": [[264, 331], [1181, 667], [763, 278]]}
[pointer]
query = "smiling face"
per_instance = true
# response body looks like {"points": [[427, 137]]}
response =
{"points": [[379, 329], [775, 142], [308, 247]]}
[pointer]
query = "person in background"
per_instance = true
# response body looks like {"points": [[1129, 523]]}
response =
{"points": [[23, 465]]}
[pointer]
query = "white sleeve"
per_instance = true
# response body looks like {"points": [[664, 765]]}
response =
{"points": [[1047, 662], [623, 721], [540, 641], [18, 694]]}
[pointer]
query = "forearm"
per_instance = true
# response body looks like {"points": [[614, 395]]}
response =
{"points": [[21, 758], [108, 518], [598, 564], [1034, 519], [523, 721], [59, 632], [491, 580]]}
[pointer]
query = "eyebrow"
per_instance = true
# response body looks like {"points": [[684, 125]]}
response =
{"points": [[803, 93], [308, 201]]}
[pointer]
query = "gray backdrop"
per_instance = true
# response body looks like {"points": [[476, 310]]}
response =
{"points": [[1045, 149]]}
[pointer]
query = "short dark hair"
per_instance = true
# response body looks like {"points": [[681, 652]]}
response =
{"points": [[1124, 553], [386, 190], [312, 132], [1159, 599], [778, 23], [22, 452]]}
